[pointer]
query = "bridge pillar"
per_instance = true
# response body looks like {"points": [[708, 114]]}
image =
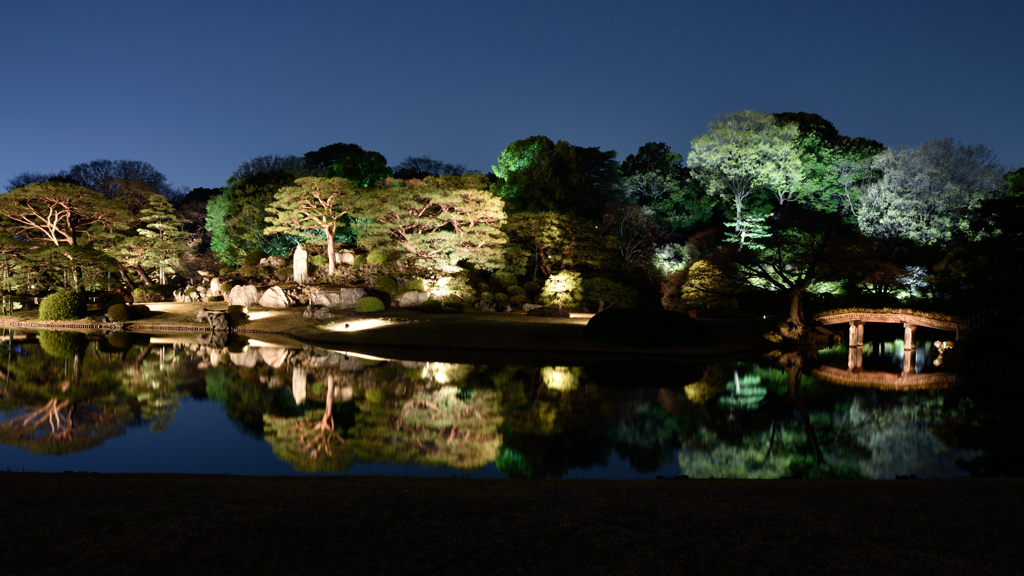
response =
{"points": [[908, 362], [909, 331], [856, 359], [856, 333]]}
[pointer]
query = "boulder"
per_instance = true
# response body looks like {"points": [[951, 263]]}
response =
{"points": [[317, 312], [527, 306], [300, 264], [345, 257], [412, 299], [220, 320], [324, 299], [271, 262], [349, 297], [548, 312], [243, 296], [273, 357], [215, 287], [275, 297]]}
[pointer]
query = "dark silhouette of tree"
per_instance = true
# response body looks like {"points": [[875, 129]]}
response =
{"points": [[422, 166]]}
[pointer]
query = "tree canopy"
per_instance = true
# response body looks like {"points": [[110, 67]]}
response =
{"points": [[313, 204], [539, 175]]}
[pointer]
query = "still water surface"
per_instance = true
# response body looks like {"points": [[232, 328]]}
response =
{"points": [[137, 403]]}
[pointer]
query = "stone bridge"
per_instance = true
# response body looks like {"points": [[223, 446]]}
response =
{"points": [[910, 320]]}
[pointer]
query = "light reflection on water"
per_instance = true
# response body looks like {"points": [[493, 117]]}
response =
{"points": [[129, 403]]}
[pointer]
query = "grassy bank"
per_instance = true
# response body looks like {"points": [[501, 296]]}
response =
{"points": [[179, 524]]}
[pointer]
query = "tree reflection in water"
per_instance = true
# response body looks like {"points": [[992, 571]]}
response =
{"points": [[325, 411]]}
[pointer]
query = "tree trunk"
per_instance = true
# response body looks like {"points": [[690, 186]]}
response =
{"points": [[143, 275], [127, 279], [330, 250]]}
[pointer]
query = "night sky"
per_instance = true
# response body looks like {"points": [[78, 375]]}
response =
{"points": [[196, 88]]}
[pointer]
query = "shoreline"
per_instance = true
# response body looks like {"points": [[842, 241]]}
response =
{"points": [[442, 337]]}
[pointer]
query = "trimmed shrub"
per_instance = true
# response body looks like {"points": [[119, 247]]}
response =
{"points": [[225, 271], [415, 285], [518, 299], [369, 304], [62, 344], [119, 313], [253, 258], [140, 311], [500, 298], [376, 257], [532, 288], [486, 296], [359, 261], [386, 283], [152, 293], [226, 287], [514, 291], [318, 260], [63, 305]]}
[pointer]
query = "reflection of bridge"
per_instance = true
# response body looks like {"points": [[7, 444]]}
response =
{"points": [[910, 320], [886, 380]]}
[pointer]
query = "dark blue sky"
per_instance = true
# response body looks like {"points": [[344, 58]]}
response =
{"points": [[196, 88]]}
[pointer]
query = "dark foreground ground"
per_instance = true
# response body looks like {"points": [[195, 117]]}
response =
{"points": [[180, 524]]}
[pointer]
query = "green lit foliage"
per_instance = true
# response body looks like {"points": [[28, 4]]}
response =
{"points": [[656, 178], [564, 290], [251, 188], [437, 223], [364, 168], [930, 194], [221, 244], [369, 304], [745, 156], [119, 313], [748, 230], [63, 305], [558, 242], [313, 204], [537, 175], [805, 247]]}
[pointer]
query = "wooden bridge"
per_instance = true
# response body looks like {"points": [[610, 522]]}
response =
{"points": [[909, 318]]}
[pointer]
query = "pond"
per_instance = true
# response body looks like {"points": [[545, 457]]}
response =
{"points": [[129, 402]]}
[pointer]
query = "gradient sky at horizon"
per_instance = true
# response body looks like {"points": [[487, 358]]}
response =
{"points": [[197, 88]]}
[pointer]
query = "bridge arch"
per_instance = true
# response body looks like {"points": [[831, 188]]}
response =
{"points": [[911, 320]]}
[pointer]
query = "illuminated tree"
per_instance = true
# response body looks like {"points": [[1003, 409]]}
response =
{"points": [[437, 223], [61, 216], [929, 194], [558, 242], [313, 204], [746, 155]]}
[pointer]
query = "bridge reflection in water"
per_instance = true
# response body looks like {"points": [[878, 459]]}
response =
{"points": [[907, 379]]}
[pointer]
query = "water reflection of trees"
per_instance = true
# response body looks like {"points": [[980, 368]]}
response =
{"points": [[325, 411]]}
